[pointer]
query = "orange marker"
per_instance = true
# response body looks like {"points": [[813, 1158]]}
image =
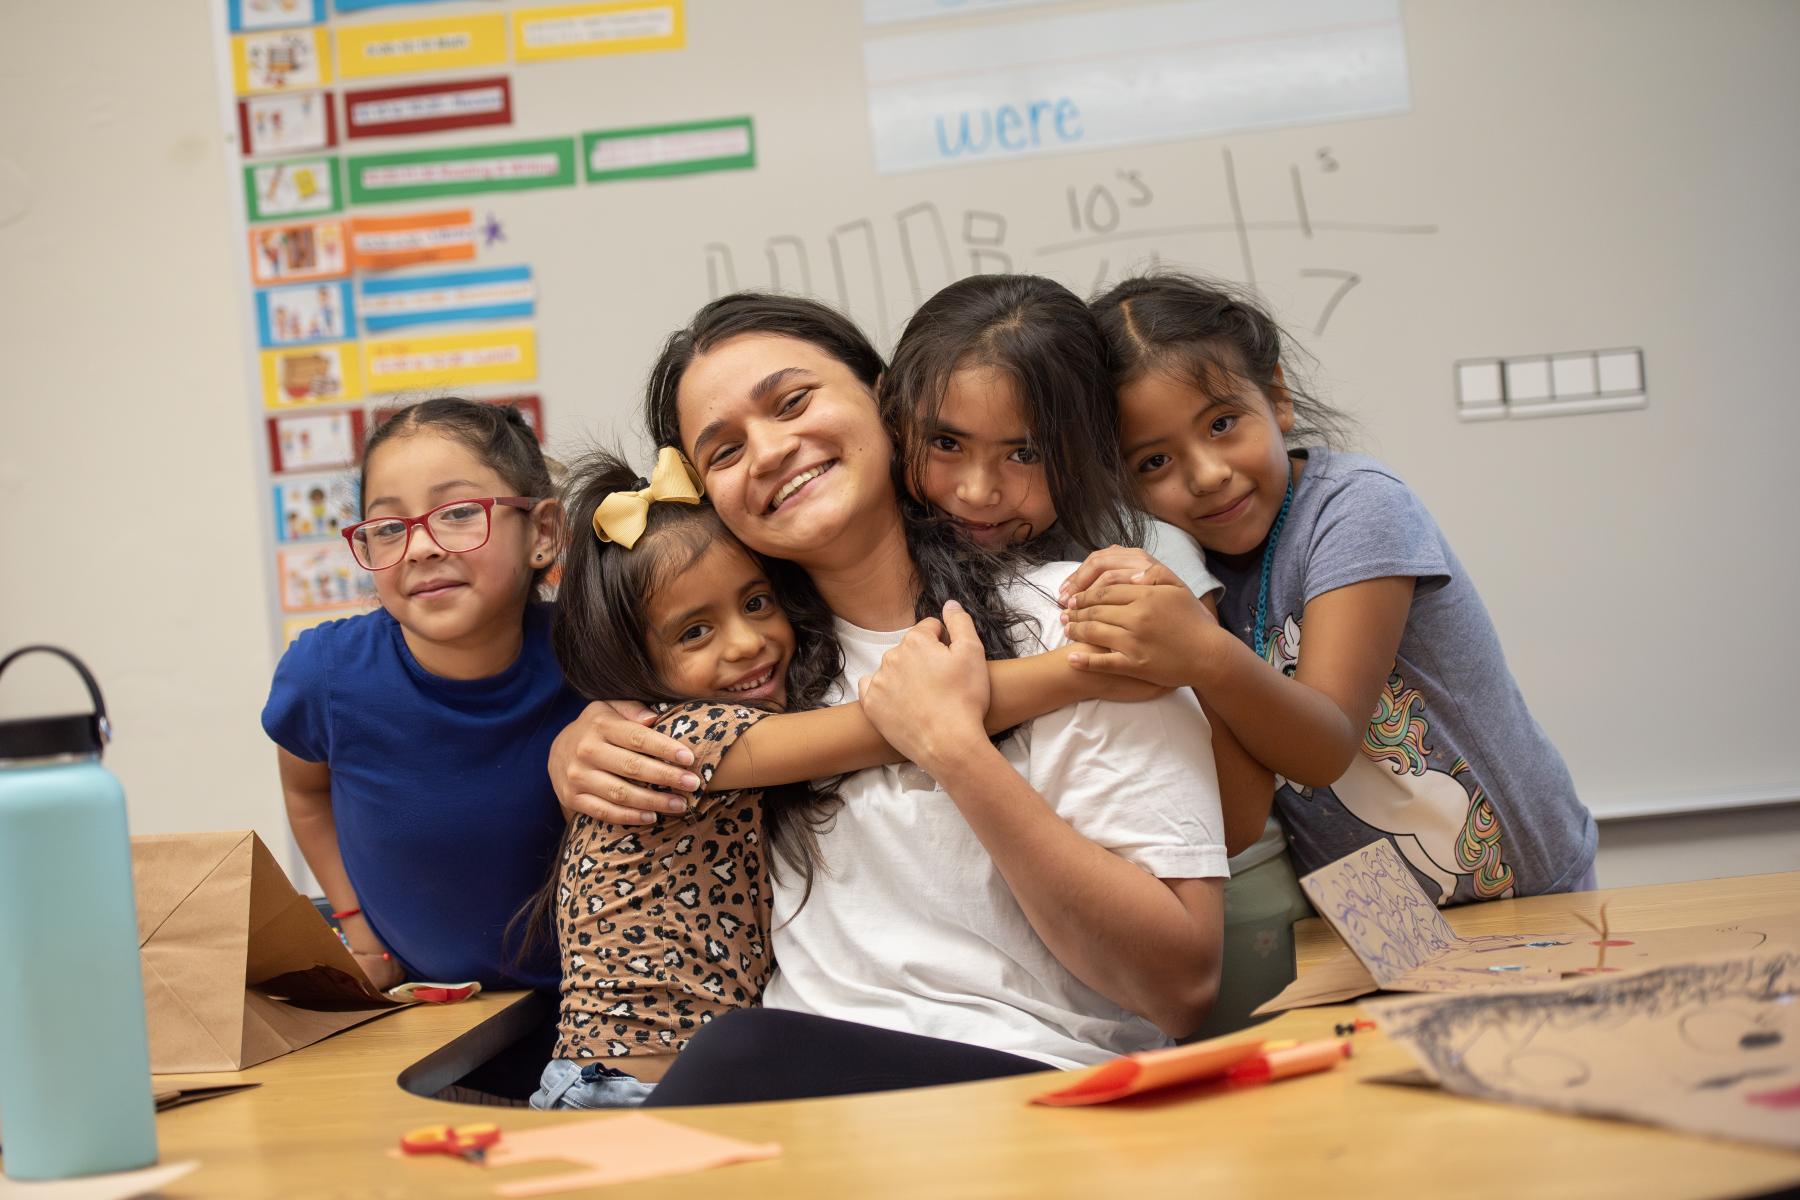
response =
{"points": [[1288, 1061]]}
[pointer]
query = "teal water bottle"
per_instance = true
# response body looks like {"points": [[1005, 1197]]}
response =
{"points": [[75, 1094]]}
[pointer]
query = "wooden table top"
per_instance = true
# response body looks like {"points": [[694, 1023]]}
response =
{"points": [[325, 1118]]}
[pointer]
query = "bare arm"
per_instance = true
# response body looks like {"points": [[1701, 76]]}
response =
{"points": [[1246, 787], [794, 747], [600, 762], [1149, 945], [1305, 728], [306, 789]]}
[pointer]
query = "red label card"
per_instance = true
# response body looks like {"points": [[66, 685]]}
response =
{"points": [[427, 107]]}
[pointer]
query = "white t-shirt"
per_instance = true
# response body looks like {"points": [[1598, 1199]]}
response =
{"points": [[911, 927], [1177, 550]]}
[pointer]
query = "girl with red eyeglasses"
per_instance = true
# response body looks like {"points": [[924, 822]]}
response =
{"points": [[412, 739]]}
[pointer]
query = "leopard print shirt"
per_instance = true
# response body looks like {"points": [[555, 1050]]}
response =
{"points": [[663, 927]]}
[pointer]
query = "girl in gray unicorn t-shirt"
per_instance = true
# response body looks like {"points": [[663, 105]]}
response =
{"points": [[1330, 550]]}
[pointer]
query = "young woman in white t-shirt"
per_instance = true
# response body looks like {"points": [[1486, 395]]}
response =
{"points": [[1050, 899]]}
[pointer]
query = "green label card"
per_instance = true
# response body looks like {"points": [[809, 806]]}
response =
{"points": [[723, 145], [462, 170]]}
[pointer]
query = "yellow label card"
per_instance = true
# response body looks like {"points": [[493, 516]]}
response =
{"points": [[569, 30], [502, 356], [404, 47], [301, 375]]}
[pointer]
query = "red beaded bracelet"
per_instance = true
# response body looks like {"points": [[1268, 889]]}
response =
{"points": [[346, 914]]}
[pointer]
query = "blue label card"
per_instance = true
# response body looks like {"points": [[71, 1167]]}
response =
{"points": [[499, 293]]}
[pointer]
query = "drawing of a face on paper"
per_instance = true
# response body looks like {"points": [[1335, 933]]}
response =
{"points": [[1709, 1047]]}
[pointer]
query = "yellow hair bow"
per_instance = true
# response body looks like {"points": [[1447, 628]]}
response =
{"points": [[622, 516]]}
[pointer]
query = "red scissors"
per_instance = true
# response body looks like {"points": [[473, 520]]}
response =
{"points": [[468, 1142]]}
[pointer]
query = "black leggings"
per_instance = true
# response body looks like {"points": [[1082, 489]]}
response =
{"points": [[752, 1054]]}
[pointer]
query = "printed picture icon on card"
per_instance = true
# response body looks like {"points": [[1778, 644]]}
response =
{"points": [[319, 506], [279, 60], [322, 576], [248, 16], [311, 375], [314, 441], [286, 123], [291, 253], [298, 187], [305, 313]]}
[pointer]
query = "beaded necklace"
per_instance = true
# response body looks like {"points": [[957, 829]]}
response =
{"points": [[1260, 640]]}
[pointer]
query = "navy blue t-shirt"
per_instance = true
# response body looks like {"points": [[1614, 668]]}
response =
{"points": [[445, 814]]}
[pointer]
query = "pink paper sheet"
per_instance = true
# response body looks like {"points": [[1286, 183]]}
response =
{"points": [[617, 1149]]}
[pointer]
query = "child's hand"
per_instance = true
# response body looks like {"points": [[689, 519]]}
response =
{"points": [[1115, 564], [598, 762], [929, 698], [1102, 685], [1157, 632], [381, 969]]}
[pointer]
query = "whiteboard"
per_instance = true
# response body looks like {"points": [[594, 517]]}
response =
{"points": [[1557, 179]]}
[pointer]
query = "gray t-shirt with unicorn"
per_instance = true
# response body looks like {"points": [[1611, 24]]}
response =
{"points": [[1453, 770]]}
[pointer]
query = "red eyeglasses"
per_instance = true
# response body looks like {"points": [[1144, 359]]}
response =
{"points": [[456, 528]]}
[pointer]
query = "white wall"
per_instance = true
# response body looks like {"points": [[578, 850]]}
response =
{"points": [[126, 421]]}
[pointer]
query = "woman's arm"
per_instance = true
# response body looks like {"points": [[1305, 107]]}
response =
{"points": [[1306, 728], [306, 788], [1150, 945]]}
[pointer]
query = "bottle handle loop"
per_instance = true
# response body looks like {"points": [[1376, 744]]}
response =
{"points": [[102, 726]]}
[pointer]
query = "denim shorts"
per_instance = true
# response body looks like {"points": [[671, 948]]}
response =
{"points": [[569, 1084]]}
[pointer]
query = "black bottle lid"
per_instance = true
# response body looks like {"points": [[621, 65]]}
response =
{"points": [[51, 737]]}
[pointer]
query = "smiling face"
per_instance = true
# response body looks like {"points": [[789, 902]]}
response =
{"points": [[790, 447], [454, 604], [980, 467], [1217, 468], [716, 630]]}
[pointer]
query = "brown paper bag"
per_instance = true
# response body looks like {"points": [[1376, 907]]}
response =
{"points": [[238, 967]]}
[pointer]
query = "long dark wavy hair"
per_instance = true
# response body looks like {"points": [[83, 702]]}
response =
{"points": [[1042, 337], [945, 566], [1207, 333]]}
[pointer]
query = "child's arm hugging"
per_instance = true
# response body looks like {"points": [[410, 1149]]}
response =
{"points": [[597, 762]]}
